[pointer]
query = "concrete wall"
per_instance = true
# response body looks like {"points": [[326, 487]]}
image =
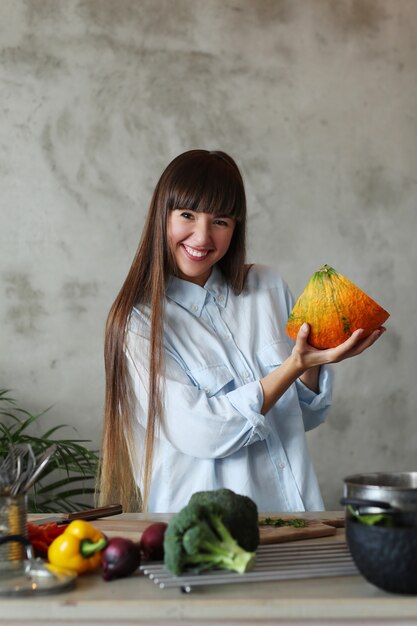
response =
{"points": [[316, 100]]}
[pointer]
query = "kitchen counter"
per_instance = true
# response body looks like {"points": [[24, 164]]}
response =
{"points": [[339, 600]]}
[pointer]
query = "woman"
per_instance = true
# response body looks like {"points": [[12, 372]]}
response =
{"points": [[203, 387]]}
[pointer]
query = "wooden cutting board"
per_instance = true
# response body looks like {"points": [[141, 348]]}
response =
{"points": [[132, 529], [281, 534]]}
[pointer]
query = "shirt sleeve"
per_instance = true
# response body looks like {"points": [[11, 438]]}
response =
{"points": [[315, 406], [193, 422]]}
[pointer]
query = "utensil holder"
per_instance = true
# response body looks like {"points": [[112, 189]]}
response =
{"points": [[13, 522]]}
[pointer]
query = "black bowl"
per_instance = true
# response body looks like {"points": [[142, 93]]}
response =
{"points": [[386, 557]]}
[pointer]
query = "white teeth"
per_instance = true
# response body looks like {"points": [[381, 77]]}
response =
{"points": [[195, 253]]}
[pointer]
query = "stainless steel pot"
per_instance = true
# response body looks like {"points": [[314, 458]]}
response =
{"points": [[396, 489], [386, 555]]}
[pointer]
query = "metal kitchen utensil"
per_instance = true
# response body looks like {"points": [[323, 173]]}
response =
{"points": [[273, 562], [385, 553], [8, 472], [32, 478], [5, 475], [359, 507], [25, 462], [398, 489], [363, 506], [19, 469]]}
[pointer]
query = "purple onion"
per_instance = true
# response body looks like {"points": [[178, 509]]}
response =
{"points": [[152, 542], [120, 558]]}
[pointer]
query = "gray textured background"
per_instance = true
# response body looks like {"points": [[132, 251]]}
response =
{"points": [[316, 100]]}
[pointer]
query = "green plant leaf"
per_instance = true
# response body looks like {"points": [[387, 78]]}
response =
{"points": [[73, 463]]}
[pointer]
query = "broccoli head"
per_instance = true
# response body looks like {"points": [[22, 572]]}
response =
{"points": [[200, 536], [239, 514]]}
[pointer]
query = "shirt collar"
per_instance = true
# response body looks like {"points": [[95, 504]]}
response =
{"points": [[193, 297]]}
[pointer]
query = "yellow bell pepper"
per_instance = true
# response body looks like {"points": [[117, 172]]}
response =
{"points": [[78, 548]]}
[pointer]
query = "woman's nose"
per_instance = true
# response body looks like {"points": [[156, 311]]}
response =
{"points": [[202, 233]]}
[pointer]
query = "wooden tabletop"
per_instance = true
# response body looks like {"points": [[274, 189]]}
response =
{"points": [[136, 600]]}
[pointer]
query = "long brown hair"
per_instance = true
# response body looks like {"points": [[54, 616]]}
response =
{"points": [[196, 180]]}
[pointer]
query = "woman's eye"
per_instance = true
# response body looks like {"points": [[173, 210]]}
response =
{"points": [[186, 215], [221, 223]]}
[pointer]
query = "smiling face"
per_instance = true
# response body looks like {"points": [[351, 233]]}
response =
{"points": [[198, 241]]}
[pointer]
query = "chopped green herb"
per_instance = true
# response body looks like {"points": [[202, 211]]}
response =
{"points": [[270, 521]]}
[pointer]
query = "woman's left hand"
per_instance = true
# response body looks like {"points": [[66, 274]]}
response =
{"points": [[305, 361], [307, 356]]}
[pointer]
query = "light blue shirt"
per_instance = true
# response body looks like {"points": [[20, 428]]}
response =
{"points": [[217, 348]]}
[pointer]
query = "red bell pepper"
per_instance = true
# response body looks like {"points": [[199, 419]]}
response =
{"points": [[42, 535]]}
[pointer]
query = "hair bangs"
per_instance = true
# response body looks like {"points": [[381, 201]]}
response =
{"points": [[211, 185]]}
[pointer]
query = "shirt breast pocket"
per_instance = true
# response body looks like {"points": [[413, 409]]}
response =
{"points": [[213, 380], [272, 355]]}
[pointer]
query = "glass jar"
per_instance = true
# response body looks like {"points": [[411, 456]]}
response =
{"points": [[13, 533]]}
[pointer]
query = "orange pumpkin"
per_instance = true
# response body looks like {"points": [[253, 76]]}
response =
{"points": [[334, 308]]}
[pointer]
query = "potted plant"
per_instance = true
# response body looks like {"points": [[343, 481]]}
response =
{"points": [[67, 482]]}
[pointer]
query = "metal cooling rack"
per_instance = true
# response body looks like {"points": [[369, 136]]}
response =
{"points": [[273, 562]]}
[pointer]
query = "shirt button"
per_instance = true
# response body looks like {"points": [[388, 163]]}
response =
{"points": [[246, 375], [206, 389], [281, 465], [194, 308], [220, 298]]}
